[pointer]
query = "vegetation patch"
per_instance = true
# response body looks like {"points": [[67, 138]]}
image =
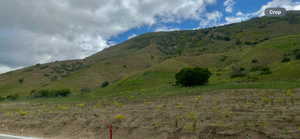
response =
{"points": [[11, 97], [51, 93], [192, 76]]}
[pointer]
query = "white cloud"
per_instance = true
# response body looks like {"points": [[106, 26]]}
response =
{"points": [[211, 19], [4, 69], [166, 29], [39, 31], [132, 36], [240, 16], [229, 4]]}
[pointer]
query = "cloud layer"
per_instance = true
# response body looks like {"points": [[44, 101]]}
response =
{"points": [[38, 31], [240, 16]]}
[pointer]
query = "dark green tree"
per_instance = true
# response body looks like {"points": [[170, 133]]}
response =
{"points": [[192, 77]]}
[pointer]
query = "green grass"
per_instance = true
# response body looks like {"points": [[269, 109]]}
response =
{"points": [[131, 94], [146, 65]]}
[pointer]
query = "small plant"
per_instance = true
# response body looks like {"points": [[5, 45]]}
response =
{"points": [[254, 61], [267, 100], [63, 108], [81, 105], [198, 98], [191, 116], [120, 117], [289, 93], [192, 76], [156, 124], [179, 106], [21, 80], [104, 84], [159, 107], [117, 104], [23, 113]]}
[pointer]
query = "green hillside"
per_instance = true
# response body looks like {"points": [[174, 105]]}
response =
{"points": [[253, 91], [255, 53]]}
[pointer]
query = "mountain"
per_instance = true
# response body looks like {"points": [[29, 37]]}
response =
{"points": [[265, 49]]}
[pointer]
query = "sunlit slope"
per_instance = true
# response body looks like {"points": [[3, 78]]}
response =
{"points": [[152, 59]]}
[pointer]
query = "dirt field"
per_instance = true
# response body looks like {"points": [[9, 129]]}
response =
{"points": [[227, 114]]}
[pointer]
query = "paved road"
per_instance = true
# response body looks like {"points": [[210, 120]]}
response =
{"points": [[3, 136]]}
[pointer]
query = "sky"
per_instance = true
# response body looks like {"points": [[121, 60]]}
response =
{"points": [[42, 31]]}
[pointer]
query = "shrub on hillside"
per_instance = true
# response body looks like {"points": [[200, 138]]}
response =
{"points": [[296, 52], [21, 80], [238, 72], [254, 61], [62, 93], [2, 98], [50, 93], [265, 71], [285, 59], [104, 84], [192, 76], [238, 42], [12, 97]]}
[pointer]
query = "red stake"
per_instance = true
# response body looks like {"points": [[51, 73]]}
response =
{"points": [[110, 131]]}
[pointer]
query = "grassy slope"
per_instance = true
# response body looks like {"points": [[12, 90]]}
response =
{"points": [[151, 60]]}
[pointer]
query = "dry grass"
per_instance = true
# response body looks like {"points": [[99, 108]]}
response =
{"points": [[230, 114]]}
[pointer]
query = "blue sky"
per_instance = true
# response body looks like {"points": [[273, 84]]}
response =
{"points": [[243, 6], [41, 31]]}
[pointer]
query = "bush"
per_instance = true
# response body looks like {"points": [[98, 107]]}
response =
{"points": [[254, 61], [266, 71], [227, 38], [297, 54], [238, 72], [62, 93], [263, 70], [21, 80], [238, 42], [2, 98], [12, 97], [285, 59], [104, 84], [192, 76], [50, 93]]}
